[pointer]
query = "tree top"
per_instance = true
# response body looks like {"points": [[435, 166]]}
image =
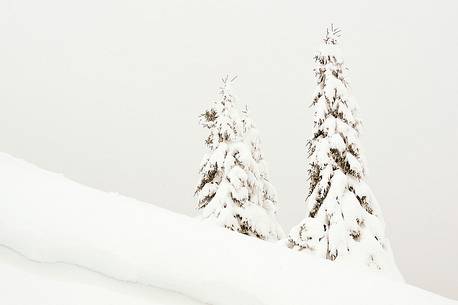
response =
{"points": [[226, 88], [332, 33]]}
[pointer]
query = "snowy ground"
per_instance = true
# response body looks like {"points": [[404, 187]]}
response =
{"points": [[135, 246]]}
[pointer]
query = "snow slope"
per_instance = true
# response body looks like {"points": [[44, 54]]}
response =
{"points": [[49, 218]]}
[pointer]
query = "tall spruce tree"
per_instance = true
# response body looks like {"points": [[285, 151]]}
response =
{"points": [[234, 190], [343, 220]]}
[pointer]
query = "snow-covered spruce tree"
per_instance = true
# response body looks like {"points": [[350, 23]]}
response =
{"points": [[234, 190], [343, 220]]}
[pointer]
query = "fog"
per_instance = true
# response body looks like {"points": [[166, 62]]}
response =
{"points": [[108, 93]]}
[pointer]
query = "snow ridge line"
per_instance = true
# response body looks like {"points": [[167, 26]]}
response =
{"points": [[20, 253], [226, 288]]}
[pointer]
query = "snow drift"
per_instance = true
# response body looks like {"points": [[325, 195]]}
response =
{"points": [[49, 218]]}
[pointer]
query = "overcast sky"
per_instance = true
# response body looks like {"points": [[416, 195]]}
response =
{"points": [[108, 93]]}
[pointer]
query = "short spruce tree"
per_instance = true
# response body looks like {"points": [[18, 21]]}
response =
{"points": [[343, 220], [234, 190]]}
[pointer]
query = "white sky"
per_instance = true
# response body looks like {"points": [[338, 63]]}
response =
{"points": [[108, 93]]}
